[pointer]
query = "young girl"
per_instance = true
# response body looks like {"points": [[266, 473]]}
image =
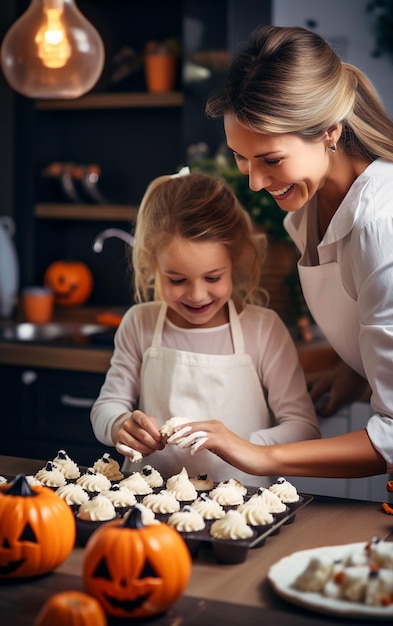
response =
{"points": [[199, 350]]}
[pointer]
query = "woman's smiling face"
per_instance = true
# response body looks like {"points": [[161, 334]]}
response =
{"points": [[195, 280], [290, 168]]}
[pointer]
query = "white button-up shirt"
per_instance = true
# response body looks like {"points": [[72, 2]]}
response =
{"points": [[358, 245]]}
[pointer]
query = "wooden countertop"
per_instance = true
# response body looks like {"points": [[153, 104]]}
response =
{"points": [[314, 355], [76, 358], [85, 359], [230, 594]]}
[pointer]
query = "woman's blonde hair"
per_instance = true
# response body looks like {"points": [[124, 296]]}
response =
{"points": [[198, 207], [289, 80]]}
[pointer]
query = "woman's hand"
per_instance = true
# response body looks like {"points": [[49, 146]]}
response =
{"points": [[331, 389], [138, 433]]}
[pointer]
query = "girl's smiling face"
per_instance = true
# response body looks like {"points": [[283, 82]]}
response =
{"points": [[290, 168], [195, 280]]}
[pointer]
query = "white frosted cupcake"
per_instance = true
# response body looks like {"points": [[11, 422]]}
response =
{"points": [[235, 484], [231, 526], [32, 480], [231, 535], [109, 467], [202, 482], [162, 502], [50, 476], [152, 476], [255, 513], [66, 465], [147, 515], [91, 515], [207, 507], [187, 520], [272, 501], [73, 494], [137, 484], [181, 487], [121, 498], [93, 482], [227, 494], [285, 491]]}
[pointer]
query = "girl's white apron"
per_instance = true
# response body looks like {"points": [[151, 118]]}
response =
{"points": [[202, 387]]}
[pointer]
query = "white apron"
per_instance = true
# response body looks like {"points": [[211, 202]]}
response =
{"points": [[202, 387], [333, 309]]}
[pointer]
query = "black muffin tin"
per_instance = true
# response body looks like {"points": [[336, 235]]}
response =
{"points": [[231, 551]]}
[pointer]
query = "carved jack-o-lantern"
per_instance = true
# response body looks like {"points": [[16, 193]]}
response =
{"points": [[71, 282], [135, 570], [37, 530]]}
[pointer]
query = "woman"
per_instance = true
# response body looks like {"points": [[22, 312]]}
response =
{"points": [[311, 130]]}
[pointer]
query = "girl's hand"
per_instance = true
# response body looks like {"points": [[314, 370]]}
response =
{"points": [[137, 436], [216, 437], [337, 387]]}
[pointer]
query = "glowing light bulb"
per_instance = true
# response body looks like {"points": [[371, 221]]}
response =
{"points": [[53, 47], [52, 51]]}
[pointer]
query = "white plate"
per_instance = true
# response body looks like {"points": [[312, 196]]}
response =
{"points": [[284, 572]]}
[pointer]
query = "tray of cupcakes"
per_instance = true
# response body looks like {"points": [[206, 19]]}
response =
{"points": [[229, 517]]}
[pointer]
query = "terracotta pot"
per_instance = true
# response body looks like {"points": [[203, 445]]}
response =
{"points": [[160, 72]]}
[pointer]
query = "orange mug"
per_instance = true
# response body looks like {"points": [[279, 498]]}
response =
{"points": [[38, 304]]}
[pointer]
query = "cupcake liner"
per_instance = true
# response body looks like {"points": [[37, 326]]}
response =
{"points": [[85, 529], [230, 552]]}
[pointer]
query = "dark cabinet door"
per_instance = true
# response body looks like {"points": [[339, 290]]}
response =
{"points": [[64, 401], [45, 410], [18, 392]]}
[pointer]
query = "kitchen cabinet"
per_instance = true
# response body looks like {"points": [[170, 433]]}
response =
{"points": [[131, 134], [44, 410]]}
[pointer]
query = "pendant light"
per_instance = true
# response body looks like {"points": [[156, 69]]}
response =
{"points": [[52, 51]]}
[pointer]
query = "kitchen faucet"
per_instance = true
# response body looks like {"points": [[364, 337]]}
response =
{"points": [[98, 244]]}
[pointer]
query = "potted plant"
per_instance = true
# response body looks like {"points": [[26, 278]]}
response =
{"points": [[160, 64]]}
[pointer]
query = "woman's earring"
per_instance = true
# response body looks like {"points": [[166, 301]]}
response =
{"points": [[333, 147]]}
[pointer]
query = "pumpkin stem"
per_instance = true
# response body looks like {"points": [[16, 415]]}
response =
{"points": [[20, 487], [134, 518]]}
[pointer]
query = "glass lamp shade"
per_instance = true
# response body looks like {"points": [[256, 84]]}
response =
{"points": [[52, 51]]}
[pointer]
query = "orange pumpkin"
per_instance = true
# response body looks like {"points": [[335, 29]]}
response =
{"points": [[71, 608], [71, 282], [135, 570], [37, 530]]}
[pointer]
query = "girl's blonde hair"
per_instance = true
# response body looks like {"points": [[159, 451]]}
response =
{"points": [[198, 207], [289, 80]]}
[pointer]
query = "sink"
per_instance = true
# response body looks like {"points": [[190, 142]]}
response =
{"points": [[63, 333]]}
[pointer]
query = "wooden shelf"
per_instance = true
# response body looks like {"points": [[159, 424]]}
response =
{"points": [[114, 101], [110, 212]]}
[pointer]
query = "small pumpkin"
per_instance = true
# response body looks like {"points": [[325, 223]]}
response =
{"points": [[71, 282], [71, 608], [37, 529], [135, 570]]}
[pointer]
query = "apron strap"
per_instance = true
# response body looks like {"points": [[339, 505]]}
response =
{"points": [[234, 322], [157, 337], [236, 329]]}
